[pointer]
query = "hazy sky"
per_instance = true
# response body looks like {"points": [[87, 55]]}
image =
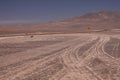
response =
{"points": [[34, 11]]}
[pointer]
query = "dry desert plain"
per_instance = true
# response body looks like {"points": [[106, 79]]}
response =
{"points": [[77, 56]]}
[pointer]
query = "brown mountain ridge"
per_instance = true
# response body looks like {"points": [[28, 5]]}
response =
{"points": [[95, 21]]}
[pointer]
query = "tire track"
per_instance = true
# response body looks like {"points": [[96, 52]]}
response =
{"points": [[108, 64], [81, 58], [71, 59]]}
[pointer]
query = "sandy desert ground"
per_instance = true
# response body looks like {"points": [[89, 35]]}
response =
{"points": [[80, 56]]}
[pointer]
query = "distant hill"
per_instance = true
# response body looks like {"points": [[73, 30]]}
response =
{"points": [[94, 21]]}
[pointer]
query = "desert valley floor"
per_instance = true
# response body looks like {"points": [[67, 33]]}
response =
{"points": [[80, 56]]}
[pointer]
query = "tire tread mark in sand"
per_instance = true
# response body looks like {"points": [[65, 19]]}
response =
{"points": [[12, 48], [93, 73], [87, 46], [3, 69], [46, 72], [103, 70], [112, 47]]}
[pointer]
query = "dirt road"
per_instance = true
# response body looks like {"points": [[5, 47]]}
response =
{"points": [[60, 57]]}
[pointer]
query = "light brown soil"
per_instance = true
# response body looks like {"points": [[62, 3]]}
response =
{"points": [[80, 56]]}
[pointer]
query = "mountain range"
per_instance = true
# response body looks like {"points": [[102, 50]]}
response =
{"points": [[93, 21]]}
